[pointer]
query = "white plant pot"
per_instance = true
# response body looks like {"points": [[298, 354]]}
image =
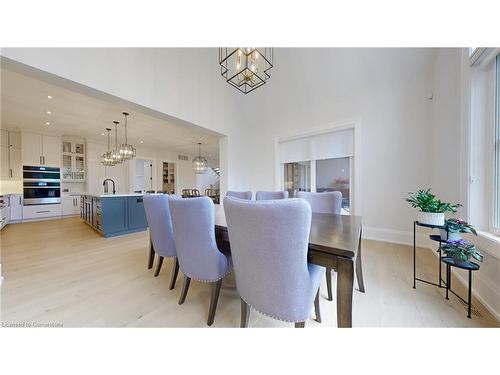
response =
{"points": [[431, 218], [451, 236]]}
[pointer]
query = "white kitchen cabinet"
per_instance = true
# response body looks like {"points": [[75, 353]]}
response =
{"points": [[16, 207], [73, 160], [38, 149], [51, 148], [70, 205], [4, 163], [10, 155], [41, 211], [31, 153], [4, 216]]}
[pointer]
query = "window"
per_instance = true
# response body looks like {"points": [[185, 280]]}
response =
{"points": [[496, 148], [318, 162], [297, 177], [334, 175]]}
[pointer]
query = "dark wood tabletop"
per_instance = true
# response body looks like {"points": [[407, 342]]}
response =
{"points": [[332, 234]]}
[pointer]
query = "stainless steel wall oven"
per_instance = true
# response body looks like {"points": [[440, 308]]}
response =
{"points": [[41, 185]]}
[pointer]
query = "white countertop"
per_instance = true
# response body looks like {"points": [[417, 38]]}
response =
{"points": [[114, 195]]}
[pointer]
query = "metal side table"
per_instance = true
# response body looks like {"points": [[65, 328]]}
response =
{"points": [[469, 266]]}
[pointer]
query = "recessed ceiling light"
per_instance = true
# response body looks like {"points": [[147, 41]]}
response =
{"points": [[48, 112], [142, 141], [47, 123], [102, 134], [48, 96]]}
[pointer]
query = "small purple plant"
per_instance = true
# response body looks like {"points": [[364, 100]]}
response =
{"points": [[461, 249]]}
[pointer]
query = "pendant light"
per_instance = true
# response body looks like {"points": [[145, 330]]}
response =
{"points": [[246, 68], [115, 154], [106, 159], [200, 164], [126, 151]]}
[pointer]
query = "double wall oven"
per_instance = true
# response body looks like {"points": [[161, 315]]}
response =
{"points": [[41, 185]]}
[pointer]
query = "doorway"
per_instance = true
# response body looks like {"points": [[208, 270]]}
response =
{"points": [[143, 174]]}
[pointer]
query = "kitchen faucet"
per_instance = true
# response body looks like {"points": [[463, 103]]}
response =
{"points": [[106, 186]]}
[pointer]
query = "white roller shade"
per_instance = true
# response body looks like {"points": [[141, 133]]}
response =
{"points": [[336, 144]]}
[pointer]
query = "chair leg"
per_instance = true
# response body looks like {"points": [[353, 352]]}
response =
{"points": [[175, 271], [316, 308], [213, 301], [300, 324], [329, 283], [245, 314], [158, 266], [185, 287], [151, 256]]}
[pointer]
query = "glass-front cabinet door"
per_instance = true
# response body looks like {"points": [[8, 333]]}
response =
{"points": [[73, 161], [67, 167]]}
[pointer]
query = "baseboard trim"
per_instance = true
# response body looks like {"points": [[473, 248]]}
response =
{"points": [[406, 238]]}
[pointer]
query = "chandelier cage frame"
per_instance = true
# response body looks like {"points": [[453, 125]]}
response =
{"points": [[126, 151], [106, 157], [244, 73], [200, 163]]}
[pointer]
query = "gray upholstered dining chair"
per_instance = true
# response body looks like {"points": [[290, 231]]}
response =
{"points": [[240, 194], [161, 234], [324, 203], [193, 222], [269, 241], [268, 195]]}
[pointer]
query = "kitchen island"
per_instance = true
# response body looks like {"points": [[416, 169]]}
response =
{"points": [[114, 214]]}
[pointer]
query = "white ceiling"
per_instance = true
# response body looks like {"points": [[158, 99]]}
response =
{"points": [[24, 106]]}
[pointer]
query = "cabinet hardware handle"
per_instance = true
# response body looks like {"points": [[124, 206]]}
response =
{"points": [[10, 172], [41, 212]]}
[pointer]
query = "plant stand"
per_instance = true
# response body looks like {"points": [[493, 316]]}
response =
{"points": [[469, 266], [434, 237]]}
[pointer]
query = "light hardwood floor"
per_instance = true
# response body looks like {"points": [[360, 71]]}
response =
{"points": [[61, 271]]}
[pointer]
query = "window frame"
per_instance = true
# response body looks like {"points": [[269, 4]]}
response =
{"points": [[495, 212], [313, 177], [356, 193]]}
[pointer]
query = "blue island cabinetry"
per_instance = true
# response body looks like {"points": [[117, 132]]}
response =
{"points": [[114, 215]]}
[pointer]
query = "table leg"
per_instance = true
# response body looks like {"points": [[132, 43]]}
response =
{"points": [[448, 279], [470, 294], [345, 283], [414, 254], [439, 260], [359, 269]]}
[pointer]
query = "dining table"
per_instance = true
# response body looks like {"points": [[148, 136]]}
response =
{"points": [[334, 243]]}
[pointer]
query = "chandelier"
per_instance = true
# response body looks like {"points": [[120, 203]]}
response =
{"points": [[200, 163], [116, 156], [126, 151], [106, 159], [246, 68]]}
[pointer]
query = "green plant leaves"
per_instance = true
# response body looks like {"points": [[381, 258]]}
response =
{"points": [[427, 202]]}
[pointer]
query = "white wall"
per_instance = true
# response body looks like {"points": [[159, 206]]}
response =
{"points": [[446, 124], [384, 90]]}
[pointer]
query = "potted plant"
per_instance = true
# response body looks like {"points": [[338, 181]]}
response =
{"points": [[432, 209], [461, 250], [454, 227]]}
